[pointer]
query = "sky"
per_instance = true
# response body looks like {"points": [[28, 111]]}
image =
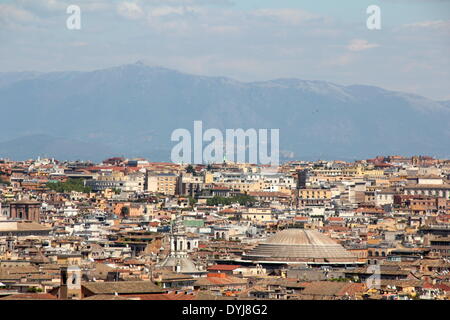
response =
{"points": [[248, 40]]}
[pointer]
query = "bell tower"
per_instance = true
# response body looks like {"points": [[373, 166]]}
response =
{"points": [[70, 288], [10, 243]]}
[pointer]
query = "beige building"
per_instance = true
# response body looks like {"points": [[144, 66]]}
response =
{"points": [[164, 183], [313, 196], [133, 182], [258, 214]]}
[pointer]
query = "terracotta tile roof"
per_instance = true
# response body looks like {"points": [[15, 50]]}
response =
{"points": [[223, 267], [18, 270], [107, 297], [220, 281], [122, 287], [329, 288], [338, 219], [402, 283], [268, 194], [30, 296], [166, 296]]}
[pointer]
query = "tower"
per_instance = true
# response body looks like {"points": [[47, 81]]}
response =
{"points": [[10, 243], [302, 179], [25, 210], [178, 240], [178, 259], [70, 288]]}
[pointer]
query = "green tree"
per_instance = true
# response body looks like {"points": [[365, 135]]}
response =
{"points": [[192, 201], [190, 169], [125, 211], [69, 186], [243, 200]]}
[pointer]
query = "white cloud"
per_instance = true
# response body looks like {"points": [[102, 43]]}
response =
{"points": [[221, 29], [130, 10], [176, 10], [179, 20], [11, 15], [342, 60], [47, 8], [436, 24], [43, 5], [78, 44], [93, 6], [360, 45], [205, 38], [191, 2], [288, 16]]}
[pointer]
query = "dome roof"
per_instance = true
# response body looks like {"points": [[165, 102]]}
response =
{"points": [[300, 237], [183, 262], [300, 245]]}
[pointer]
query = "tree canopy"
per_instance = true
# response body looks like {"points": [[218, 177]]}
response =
{"points": [[190, 169], [69, 186], [244, 200]]}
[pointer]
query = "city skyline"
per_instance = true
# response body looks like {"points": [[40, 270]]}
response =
{"points": [[131, 229]]}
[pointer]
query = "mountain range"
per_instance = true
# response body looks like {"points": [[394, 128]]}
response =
{"points": [[132, 109]]}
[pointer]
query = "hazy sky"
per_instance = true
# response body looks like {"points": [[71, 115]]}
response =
{"points": [[244, 39]]}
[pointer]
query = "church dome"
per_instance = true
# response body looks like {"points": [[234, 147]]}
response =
{"points": [[181, 264], [300, 245]]}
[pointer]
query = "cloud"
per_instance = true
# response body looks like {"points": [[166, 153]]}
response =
{"points": [[130, 10], [437, 24], [173, 11], [43, 5], [184, 21], [52, 8], [212, 37], [360, 45], [413, 1], [287, 16], [221, 29], [94, 6], [11, 15], [191, 2], [340, 61], [78, 44]]}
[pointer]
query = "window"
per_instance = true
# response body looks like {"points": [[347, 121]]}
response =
{"points": [[64, 277]]}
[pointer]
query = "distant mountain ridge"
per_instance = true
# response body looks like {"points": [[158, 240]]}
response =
{"points": [[132, 109], [33, 146]]}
